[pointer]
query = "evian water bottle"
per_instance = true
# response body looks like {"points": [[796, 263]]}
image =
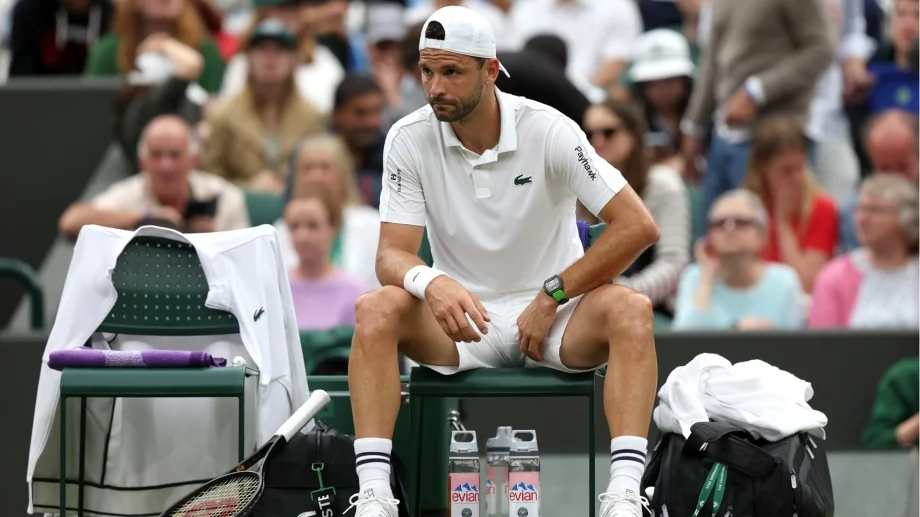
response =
{"points": [[498, 449], [524, 475], [463, 474]]}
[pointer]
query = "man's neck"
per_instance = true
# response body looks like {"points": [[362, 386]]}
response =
{"points": [[269, 101], [481, 129], [888, 256], [742, 272], [315, 270]]}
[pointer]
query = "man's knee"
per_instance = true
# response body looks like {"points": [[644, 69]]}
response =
{"points": [[381, 310], [628, 310]]}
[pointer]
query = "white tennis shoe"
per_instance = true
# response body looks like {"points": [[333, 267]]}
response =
{"points": [[373, 506], [629, 504]]}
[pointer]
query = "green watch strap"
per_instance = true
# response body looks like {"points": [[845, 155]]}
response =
{"points": [[559, 296]]}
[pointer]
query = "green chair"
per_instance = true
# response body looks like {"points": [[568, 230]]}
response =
{"points": [[320, 345], [29, 278], [427, 384], [263, 207], [161, 292]]}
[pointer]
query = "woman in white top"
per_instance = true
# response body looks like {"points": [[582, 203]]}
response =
{"points": [[318, 73], [616, 131], [324, 160]]}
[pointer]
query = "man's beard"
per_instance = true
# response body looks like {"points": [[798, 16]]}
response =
{"points": [[466, 106]]}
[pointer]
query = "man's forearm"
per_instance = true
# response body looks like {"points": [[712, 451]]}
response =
{"points": [[78, 216], [613, 252], [393, 264]]}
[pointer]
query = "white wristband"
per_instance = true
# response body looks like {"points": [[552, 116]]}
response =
{"points": [[418, 278]]}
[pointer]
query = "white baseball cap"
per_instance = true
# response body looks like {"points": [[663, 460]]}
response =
{"points": [[466, 32], [661, 54]]}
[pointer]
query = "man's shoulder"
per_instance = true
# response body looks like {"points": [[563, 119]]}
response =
{"points": [[413, 125], [534, 115]]}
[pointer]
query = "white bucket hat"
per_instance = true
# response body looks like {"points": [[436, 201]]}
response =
{"points": [[661, 54]]}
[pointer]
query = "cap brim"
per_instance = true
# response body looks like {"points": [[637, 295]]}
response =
{"points": [[503, 69], [657, 70]]}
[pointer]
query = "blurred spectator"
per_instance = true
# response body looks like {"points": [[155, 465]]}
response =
{"points": [[802, 229], [895, 72], [876, 286], [662, 74], [658, 14], [599, 35], [213, 20], [323, 161], [385, 33], [324, 296], [143, 26], [836, 164], [616, 131], [358, 117], [538, 73], [497, 12], [318, 71], [893, 143], [169, 191], [53, 37], [326, 18], [252, 134], [411, 94], [730, 285], [895, 422], [161, 84], [761, 59]]}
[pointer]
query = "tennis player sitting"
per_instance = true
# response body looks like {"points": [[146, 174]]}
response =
{"points": [[494, 178]]}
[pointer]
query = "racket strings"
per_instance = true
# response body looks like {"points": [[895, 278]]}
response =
{"points": [[222, 499]]}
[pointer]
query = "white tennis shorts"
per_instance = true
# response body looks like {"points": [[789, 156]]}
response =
{"points": [[500, 347]]}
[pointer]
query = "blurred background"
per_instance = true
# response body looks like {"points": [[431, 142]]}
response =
{"points": [[774, 141]]}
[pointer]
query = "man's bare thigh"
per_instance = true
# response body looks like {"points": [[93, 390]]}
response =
{"points": [[585, 341], [421, 337]]}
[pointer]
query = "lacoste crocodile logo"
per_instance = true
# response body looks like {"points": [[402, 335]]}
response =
{"points": [[521, 180]]}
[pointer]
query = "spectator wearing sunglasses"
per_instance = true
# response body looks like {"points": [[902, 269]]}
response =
{"points": [[731, 286]]}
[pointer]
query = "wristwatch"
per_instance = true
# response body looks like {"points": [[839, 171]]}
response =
{"points": [[553, 287]]}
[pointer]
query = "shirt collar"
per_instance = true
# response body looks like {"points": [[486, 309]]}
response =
{"points": [[507, 140]]}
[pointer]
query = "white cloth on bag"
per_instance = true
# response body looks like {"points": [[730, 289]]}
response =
{"points": [[768, 402], [158, 447]]}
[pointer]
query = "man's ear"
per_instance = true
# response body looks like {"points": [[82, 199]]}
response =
{"points": [[491, 70]]}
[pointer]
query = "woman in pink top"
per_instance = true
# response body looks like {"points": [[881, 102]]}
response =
{"points": [[875, 286], [324, 296]]}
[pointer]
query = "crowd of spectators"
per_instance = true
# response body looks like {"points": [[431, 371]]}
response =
{"points": [[776, 143]]}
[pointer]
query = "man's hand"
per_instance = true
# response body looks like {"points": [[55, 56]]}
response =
{"points": [[740, 109], [534, 323], [857, 81], [201, 224], [690, 149], [450, 303], [167, 213], [906, 434]]}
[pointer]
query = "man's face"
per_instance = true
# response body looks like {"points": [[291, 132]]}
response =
{"points": [[359, 120], [893, 151], [271, 62], [905, 24], [453, 83], [167, 161]]}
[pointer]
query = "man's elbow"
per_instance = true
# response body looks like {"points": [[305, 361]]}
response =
{"points": [[69, 223], [650, 232]]}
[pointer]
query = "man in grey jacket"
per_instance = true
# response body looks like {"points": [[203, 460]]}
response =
{"points": [[763, 58]]}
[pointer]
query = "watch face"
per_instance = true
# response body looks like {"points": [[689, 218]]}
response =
{"points": [[553, 284]]}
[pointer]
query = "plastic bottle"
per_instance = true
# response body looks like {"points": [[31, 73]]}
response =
{"points": [[463, 474], [498, 450], [524, 475]]}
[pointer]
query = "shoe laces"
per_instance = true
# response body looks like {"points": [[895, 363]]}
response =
{"points": [[363, 504], [629, 504]]}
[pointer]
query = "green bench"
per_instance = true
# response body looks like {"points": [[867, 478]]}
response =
{"points": [[161, 292]]}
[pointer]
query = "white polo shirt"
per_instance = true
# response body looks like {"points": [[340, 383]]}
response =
{"points": [[505, 221]]}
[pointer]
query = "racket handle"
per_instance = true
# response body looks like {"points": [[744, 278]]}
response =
{"points": [[317, 401]]}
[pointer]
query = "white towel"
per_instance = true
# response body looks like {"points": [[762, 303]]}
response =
{"points": [[768, 402]]}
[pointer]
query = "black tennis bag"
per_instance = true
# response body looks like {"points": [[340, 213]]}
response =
{"points": [[723, 465], [315, 472]]}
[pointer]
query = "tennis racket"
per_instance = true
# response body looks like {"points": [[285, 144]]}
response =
{"points": [[236, 493]]}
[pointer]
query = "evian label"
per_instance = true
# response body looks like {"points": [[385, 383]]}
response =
{"points": [[464, 494], [524, 498]]}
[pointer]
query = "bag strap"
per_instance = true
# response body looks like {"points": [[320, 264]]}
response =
{"points": [[730, 445]]}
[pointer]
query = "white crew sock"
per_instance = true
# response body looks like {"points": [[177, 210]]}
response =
{"points": [[627, 463], [372, 459]]}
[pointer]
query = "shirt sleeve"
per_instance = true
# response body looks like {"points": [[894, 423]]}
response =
{"points": [[822, 232], [569, 155], [402, 199], [115, 198]]}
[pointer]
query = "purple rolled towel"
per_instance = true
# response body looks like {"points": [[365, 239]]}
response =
{"points": [[583, 233], [89, 357]]}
